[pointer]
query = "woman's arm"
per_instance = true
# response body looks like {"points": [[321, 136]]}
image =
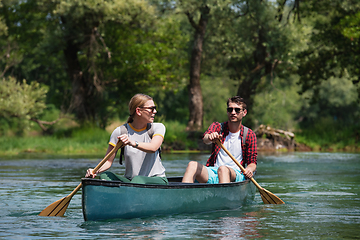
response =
{"points": [[103, 168], [150, 147]]}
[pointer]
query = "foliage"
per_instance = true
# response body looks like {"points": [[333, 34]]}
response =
{"points": [[328, 134], [330, 52], [350, 26], [173, 105], [256, 47], [336, 99], [177, 138], [152, 65], [21, 100], [96, 54], [216, 91], [278, 104]]}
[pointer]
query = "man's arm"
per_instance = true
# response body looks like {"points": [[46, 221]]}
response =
{"points": [[212, 133], [249, 170], [251, 154], [210, 137]]}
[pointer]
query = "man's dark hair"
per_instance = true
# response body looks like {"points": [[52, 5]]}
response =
{"points": [[238, 100]]}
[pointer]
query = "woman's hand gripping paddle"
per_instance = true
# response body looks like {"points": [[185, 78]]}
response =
{"points": [[267, 197], [59, 207]]}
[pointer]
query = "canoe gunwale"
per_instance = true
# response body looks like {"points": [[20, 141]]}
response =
{"points": [[172, 185]]}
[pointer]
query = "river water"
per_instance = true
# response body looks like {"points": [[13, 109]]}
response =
{"points": [[321, 192]]}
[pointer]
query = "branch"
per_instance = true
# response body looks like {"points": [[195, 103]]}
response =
{"points": [[296, 9], [257, 68], [280, 10], [245, 13], [191, 20], [103, 42], [41, 123]]}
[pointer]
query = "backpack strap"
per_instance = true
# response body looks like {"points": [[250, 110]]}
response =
{"points": [[124, 130], [246, 129], [150, 129], [222, 128]]}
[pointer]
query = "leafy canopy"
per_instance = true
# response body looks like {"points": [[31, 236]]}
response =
{"points": [[21, 100]]}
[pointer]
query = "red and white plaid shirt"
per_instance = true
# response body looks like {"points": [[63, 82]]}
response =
{"points": [[249, 149]]}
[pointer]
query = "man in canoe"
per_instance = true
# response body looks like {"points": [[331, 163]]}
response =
{"points": [[240, 142], [142, 139]]}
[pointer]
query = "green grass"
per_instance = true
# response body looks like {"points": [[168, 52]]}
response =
{"points": [[86, 141], [176, 137], [76, 141], [10, 146]]}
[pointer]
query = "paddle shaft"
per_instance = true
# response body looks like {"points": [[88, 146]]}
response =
{"points": [[118, 145], [236, 161], [59, 207]]}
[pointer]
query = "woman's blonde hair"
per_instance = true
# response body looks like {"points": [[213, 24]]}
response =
{"points": [[138, 100]]}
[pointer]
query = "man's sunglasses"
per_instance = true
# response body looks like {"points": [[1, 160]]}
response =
{"points": [[152, 109], [237, 110]]}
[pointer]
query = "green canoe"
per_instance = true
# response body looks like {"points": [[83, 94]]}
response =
{"points": [[103, 199]]}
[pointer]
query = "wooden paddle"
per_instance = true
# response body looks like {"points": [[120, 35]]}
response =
{"points": [[267, 197], [59, 207]]}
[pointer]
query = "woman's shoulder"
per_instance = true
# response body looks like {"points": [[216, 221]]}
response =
{"points": [[159, 128], [158, 124]]}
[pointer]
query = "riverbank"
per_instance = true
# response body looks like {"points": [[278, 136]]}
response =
{"points": [[92, 141], [50, 145]]}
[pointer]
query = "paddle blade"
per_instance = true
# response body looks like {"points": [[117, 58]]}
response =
{"points": [[57, 208], [269, 198]]}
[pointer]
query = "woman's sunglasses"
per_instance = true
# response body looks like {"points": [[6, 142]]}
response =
{"points": [[237, 110], [152, 109]]}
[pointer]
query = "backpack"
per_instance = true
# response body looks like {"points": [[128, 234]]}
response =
{"points": [[246, 129], [124, 130]]}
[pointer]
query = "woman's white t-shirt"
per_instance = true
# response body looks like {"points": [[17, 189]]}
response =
{"points": [[138, 162]]}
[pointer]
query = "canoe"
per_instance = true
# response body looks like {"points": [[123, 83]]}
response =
{"points": [[103, 199]]}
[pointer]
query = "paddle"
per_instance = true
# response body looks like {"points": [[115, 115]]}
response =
{"points": [[267, 197], [59, 207]]}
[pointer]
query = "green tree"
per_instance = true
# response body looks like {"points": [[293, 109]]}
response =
{"points": [[21, 101], [200, 16], [93, 55], [335, 45], [257, 47]]}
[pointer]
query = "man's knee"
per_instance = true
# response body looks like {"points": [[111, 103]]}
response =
{"points": [[223, 170], [192, 164]]}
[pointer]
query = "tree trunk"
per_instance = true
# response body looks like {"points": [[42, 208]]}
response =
{"points": [[82, 101], [260, 67], [195, 95], [80, 89]]}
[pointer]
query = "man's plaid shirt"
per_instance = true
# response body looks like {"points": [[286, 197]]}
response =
{"points": [[249, 150]]}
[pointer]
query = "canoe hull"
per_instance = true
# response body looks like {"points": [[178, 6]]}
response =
{"points": [[110, 199]]}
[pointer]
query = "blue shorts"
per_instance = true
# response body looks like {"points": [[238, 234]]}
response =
{"points": [[213, 175]]}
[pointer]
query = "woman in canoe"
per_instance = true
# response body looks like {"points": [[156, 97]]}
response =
{"points": [[142, 139]]}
